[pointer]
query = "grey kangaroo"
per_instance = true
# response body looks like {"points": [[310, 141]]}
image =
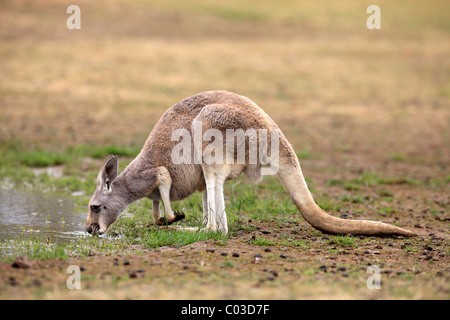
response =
{"points": [[154, 173]]}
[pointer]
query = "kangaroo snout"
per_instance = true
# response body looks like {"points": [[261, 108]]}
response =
{"points": [[92, 228]]}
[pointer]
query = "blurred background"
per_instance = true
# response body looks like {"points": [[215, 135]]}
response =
{"points": [[334, 87]]}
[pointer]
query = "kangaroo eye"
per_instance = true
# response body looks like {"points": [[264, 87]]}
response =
{"points": [[104, 207], [95, 208]]}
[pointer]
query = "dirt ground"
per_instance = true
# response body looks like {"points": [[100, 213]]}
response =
{"points": [[350, 100], [205, 270]]}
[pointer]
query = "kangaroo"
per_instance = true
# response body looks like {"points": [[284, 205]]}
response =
{"points": [[154, 173]]}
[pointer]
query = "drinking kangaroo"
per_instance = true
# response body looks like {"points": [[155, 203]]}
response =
{"points": [[155, 174]]}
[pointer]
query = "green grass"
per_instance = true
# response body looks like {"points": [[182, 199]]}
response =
{"points": [[343, 241], [17, 154], [353, 199], [33, 248], [397, 157], [159, 237], [304, 155], [259, 241], [42, 158], [103, 152], [385, 193]]}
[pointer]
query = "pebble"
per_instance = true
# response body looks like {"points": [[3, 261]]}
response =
{"points": [[210, 250], [224, 254], [267, 250], [12, 281], [36, 282], [235, 255], [283, 256], [21, 263]]}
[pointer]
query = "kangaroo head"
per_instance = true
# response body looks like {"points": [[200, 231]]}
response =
{"points": [[107, 202]]}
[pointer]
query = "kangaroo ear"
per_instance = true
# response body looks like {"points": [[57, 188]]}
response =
{"points": [[109, 171]]}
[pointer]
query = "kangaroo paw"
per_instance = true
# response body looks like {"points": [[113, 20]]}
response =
{"points": [[179, 215], [161, 221]]}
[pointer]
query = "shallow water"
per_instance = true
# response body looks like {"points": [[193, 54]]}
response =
{"points": [[25, 214]]}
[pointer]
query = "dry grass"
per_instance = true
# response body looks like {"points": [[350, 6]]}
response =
{"points": [[316, 69]]}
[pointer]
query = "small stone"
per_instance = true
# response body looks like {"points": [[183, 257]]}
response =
{"points": [[36, 282], [12, 281], [21, 263], [235, 255], [283, 256], [224, 254], [210, 250], [267, 250]]}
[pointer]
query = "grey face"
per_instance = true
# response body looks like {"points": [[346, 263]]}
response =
{"points": [[105, 204]]}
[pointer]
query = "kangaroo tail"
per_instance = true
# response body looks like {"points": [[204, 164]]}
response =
{"points": [[291, 177]]}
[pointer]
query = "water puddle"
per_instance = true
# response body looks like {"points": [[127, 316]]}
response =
{"points": [[24, 214]]}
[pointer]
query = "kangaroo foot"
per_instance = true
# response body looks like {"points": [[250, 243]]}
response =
{"points": [[161, 221], [178, 215]]}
